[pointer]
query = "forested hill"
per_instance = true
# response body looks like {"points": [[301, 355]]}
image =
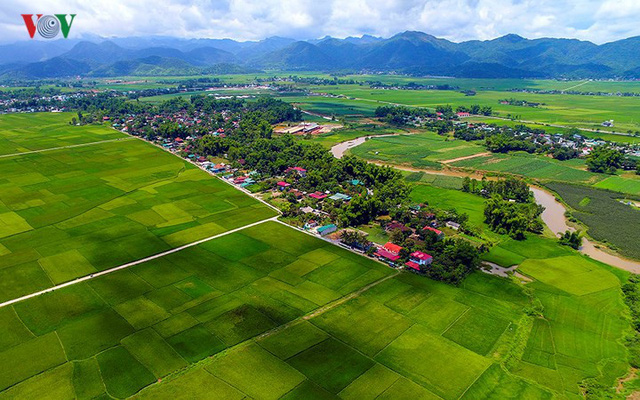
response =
{"points": [[416, 53]]}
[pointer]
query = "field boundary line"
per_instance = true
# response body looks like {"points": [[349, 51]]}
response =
{"points": [[455, 320], [132, 263], [64, 147], [305, 317]]}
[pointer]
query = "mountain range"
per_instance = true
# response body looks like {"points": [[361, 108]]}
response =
{"points": [[413, 53]]}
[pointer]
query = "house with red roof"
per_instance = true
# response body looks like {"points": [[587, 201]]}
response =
{"points": [[318, 195], [389, 252], [300, 171], [463, 114], [421, 258], [414, 266], [438, 232], [282, 185]]}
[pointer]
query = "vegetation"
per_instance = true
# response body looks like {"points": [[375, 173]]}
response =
{"points": [[607, 218], [572, 239], [604, 159], [512, 218]]}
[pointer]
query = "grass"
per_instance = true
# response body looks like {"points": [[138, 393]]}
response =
{"points": [[567, 110], [256, 372], [437, 340], [587, 276]]}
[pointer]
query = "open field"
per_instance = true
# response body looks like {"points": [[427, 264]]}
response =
{"points": [[68, 213], [567, 110], [119, 334], [269, 312], [429, 150], [33, 132], [608, 220], [341, 135], [423, 150]]}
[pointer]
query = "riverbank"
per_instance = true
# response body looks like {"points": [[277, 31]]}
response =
{"points": [[553, 215]]}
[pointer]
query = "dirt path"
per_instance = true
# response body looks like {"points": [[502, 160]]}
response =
{"points": [[63, 147], [466, 158], [133, 263], [575, 86]]}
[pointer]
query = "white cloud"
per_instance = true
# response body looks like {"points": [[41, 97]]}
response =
{"points": [[596, 20]]}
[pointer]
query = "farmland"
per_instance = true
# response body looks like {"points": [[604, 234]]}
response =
{"points": [[27, 132], [608, 220], [428, 150], [71, 212], [251, 301], [567, 110], [424, 150], [270, 312]]}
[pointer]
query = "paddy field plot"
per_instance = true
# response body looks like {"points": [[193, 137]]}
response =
{"points": [[567, 110], [70, 212], [38, 131], [424, 150], [236, 317], [607, 218]]}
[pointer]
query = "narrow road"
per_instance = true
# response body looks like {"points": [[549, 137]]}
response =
{"points": [[133, 263], [63, 147]]}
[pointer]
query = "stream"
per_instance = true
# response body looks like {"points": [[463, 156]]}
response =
{"points": [[553, 214]]}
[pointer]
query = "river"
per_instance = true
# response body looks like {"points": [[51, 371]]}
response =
{"points": [[553, 215]]}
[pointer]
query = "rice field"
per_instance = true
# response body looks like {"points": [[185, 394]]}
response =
{"points": [[71, 212], [567, 110], [32, 132], [267, 312], [423, 150], [607, 219]]}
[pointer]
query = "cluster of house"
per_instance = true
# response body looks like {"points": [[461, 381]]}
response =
{"points": [[199, 122], [287, 187], [390, 253], [576, 142], [37, 103]]}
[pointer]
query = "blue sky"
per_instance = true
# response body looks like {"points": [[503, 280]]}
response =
{"points": [[596, 20]]}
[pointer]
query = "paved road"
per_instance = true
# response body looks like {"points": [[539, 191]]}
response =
{"points": [[63, 147], [131, 264]]}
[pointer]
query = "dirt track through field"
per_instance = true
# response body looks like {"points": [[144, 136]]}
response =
{"points": [[465, 158], [131, 264], [63, 147]]}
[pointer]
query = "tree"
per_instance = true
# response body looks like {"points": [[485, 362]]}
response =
{"points": [[572, 239], [604, 159], [512, 218]]}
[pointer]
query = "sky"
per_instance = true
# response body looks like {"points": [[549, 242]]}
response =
{"points": [[598, 21]]}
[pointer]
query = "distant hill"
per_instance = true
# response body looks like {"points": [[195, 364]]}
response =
{"points": [[414, 53]]}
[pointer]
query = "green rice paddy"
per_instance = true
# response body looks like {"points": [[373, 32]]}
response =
{"points": [[268, 312], [71, 212]]}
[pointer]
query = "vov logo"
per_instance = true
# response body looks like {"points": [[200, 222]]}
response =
{"points": [[48, 26]]}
